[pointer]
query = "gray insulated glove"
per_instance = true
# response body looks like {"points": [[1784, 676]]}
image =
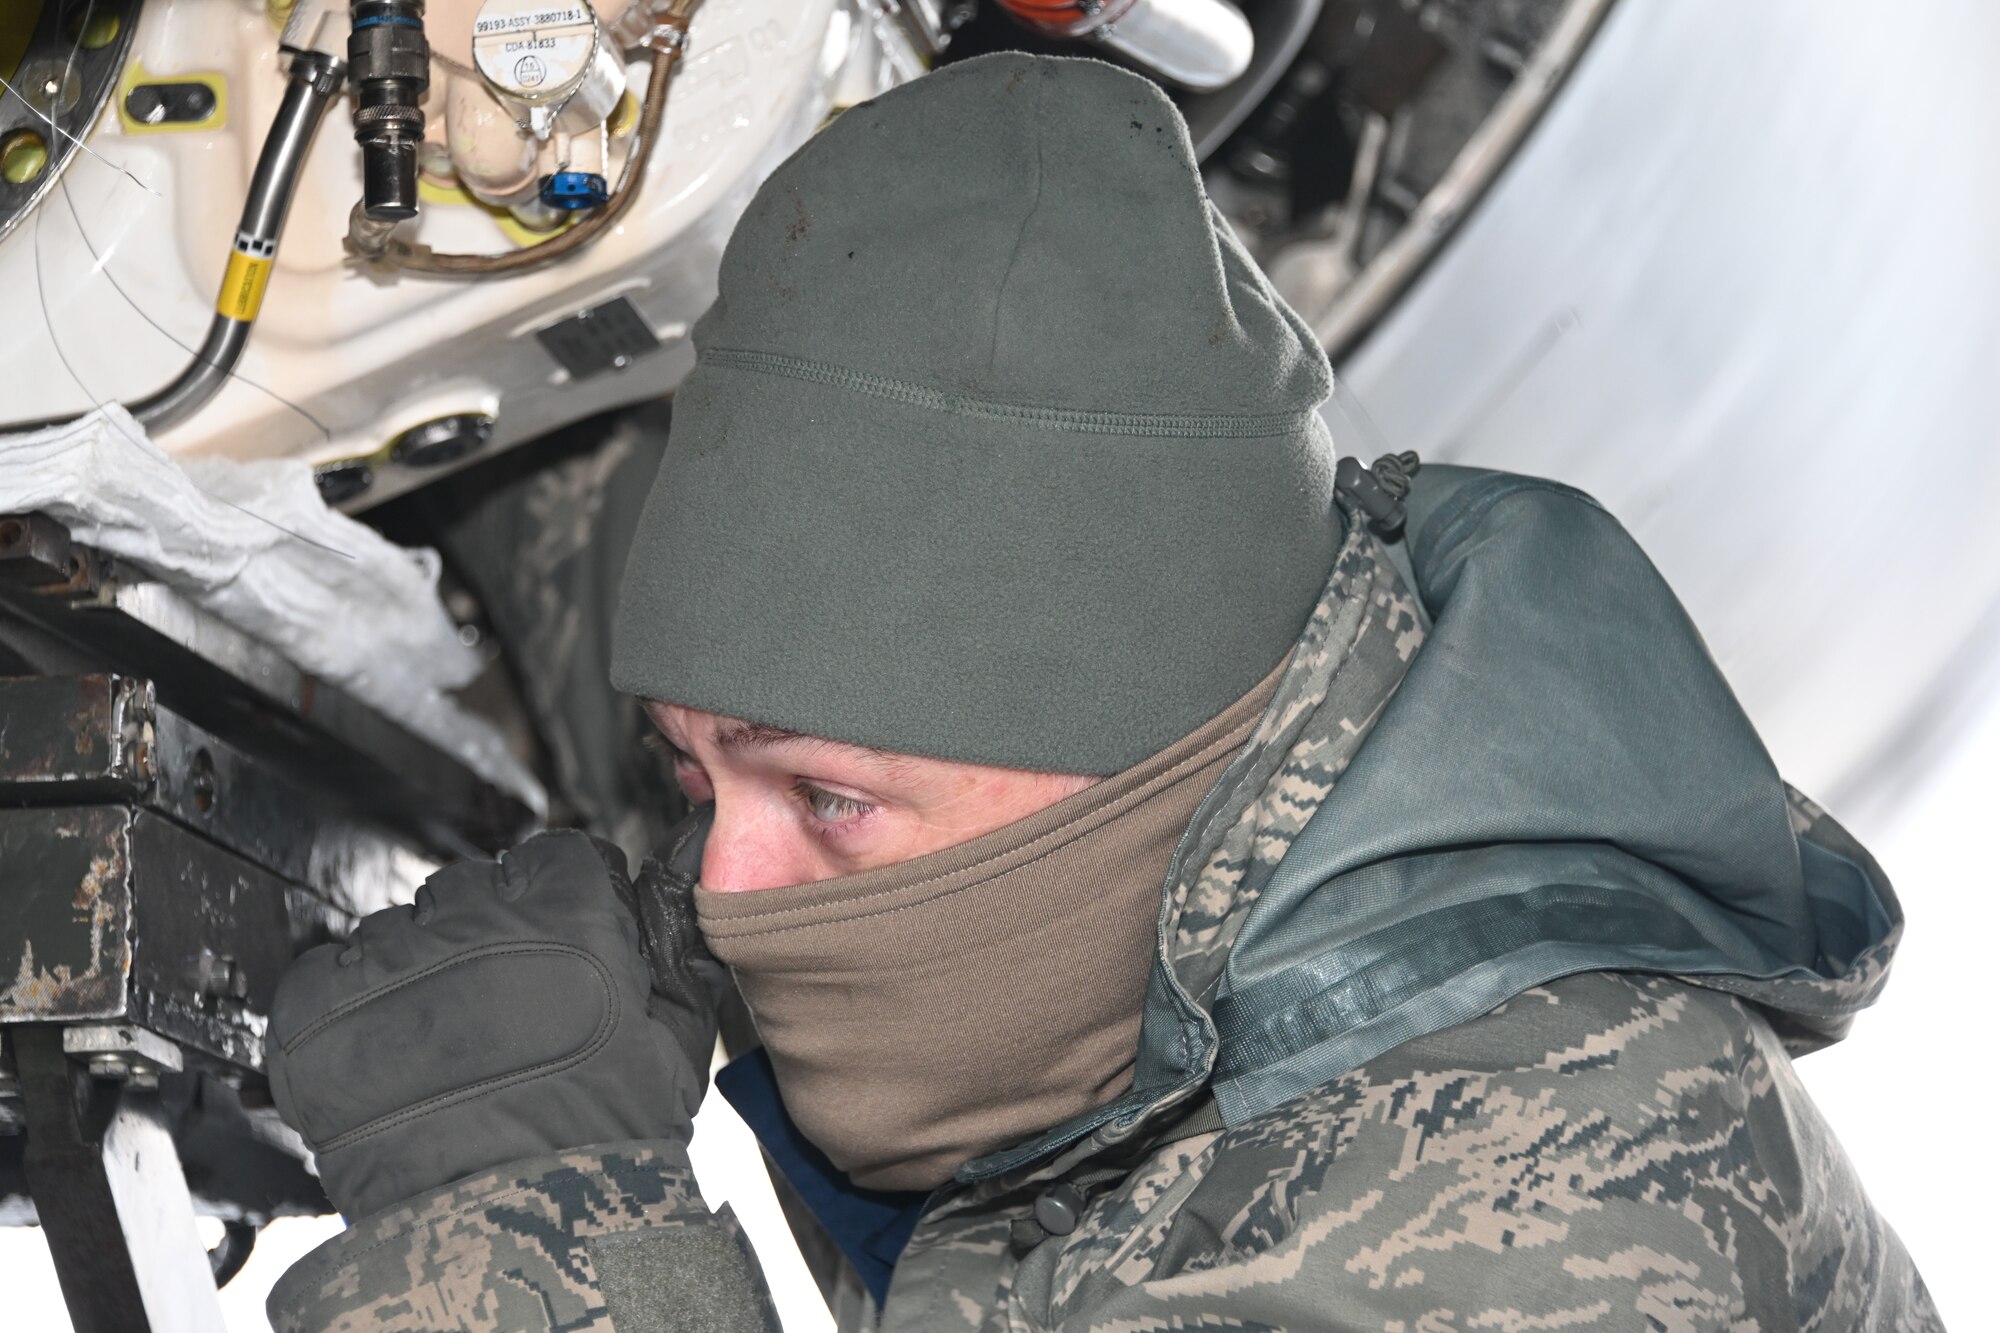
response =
{"points": [[518, 1008]]}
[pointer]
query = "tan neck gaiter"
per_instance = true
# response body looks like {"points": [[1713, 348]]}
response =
{"points": [[921, 1015]]}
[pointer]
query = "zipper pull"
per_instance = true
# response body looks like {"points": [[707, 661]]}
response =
{"points": [[1377, 493]]}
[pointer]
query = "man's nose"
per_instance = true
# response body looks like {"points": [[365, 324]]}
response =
{"points": [[752, 846]]}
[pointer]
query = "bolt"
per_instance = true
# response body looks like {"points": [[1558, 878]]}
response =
{"points": [[218, 974], [110, 1066], [54, 87], [201, 781], [211, 973]]}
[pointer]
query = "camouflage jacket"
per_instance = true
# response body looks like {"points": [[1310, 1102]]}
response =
{"points": [[1479, 976]]}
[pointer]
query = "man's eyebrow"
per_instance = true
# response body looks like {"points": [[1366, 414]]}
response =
{"points": [[756, 735], [748, 735]]}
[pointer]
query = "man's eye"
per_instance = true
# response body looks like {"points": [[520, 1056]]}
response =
{"points": [[831, 807], [693, 780]]}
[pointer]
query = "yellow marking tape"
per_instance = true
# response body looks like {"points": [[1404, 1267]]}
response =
{"points": [[242, 286]]}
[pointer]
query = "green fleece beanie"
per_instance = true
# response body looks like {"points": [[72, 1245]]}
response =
{"points": [[998, 447]]}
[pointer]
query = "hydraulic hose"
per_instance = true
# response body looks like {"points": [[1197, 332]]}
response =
{"points": [[314, 80]]}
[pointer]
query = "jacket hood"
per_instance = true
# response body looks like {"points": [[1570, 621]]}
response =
{"points": [[1502, 754]]}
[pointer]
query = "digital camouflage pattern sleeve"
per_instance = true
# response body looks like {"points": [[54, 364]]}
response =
{"points": [[1604, 1152], [1608, 1151], [606, 1240]]}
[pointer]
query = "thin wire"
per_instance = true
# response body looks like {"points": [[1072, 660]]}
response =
{"points": [[589, 63], [463, 71], [1348, 404], [104, 270], [272, 522], [99, 404], [589, 66], [67, 67], [48, 322], [1559, 326]]}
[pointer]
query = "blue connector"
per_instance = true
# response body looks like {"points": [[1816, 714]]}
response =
{"points": [[575, 189]]}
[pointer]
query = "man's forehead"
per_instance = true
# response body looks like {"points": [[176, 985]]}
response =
{"points": [[681, 724]]}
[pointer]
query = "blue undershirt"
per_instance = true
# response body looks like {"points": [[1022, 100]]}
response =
{"points": [[871, 1227]]}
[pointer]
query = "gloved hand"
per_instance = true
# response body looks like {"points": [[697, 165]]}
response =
{"points": [[518, 1008]]}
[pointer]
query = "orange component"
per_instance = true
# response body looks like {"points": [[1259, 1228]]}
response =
{"points": [[1066, 18]]}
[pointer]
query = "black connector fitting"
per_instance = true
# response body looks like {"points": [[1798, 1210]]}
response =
{"points": [[1378, 491], [390, 62]]}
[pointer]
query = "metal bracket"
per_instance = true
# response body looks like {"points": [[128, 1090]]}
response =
{"points": [[181, 811], [11, 1118], [36, 553], [121, 1052], [111, 1198]]}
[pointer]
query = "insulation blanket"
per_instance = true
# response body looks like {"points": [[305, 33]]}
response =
{"points": [[252, 543]]}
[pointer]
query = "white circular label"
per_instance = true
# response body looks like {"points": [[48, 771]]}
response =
{"points": [[534, 50]]}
